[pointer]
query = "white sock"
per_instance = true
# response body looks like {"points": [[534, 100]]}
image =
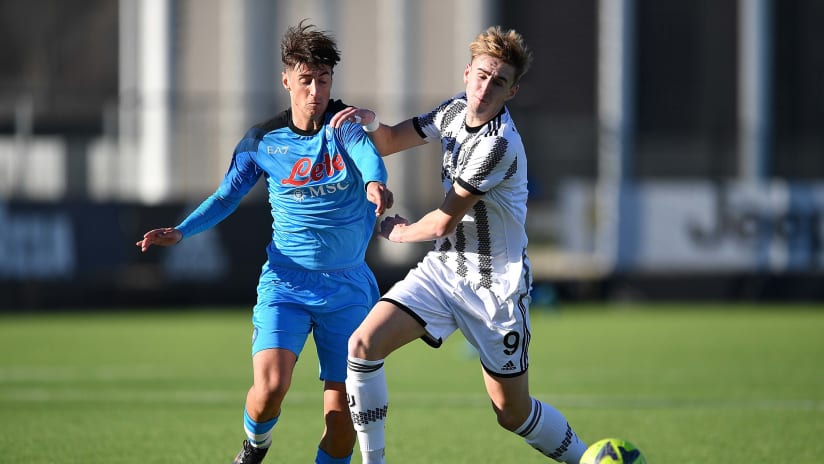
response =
{"points": [[368, 403], [548, 431]]}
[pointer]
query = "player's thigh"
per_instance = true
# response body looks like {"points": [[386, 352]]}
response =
{"points": [[385, 329], [422, 305], [294, 302], [498, 328], [280, 324]]}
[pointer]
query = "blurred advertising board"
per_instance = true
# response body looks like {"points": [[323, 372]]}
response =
{"points": [[703, 227], [84, 254]]}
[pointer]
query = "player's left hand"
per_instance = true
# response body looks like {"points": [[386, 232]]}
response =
{"points": [[353, 114], [166, 236], [380, 195]]}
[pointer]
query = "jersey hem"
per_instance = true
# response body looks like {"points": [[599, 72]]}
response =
{"points": [[504, 376]]}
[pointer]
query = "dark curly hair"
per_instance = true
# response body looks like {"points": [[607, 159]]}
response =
{"points": [[305, 44]]}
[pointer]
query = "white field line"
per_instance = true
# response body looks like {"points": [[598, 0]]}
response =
{"points": [[65, 394], [67, 373]]}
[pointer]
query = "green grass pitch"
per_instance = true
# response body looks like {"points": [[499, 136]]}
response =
{"points": [[686, 384]]}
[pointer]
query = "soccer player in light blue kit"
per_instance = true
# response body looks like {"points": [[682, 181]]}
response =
{"points": [[326, 188]]}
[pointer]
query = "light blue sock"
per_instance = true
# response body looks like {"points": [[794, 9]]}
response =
{"points": [[259, 433], [323, 458]]}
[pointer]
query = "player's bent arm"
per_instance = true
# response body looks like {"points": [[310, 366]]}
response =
{"points": [[440, 222]]}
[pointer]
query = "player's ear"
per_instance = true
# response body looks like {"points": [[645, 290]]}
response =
{"points": [[512, 91], [284, 79], [466, 72]]}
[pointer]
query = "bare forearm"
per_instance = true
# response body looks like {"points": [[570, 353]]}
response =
{"points": [[387, 139], [434, 225], [392, 139], [431, 226]]}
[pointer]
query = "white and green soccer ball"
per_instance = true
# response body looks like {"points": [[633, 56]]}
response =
{"points": [[612, 451]]}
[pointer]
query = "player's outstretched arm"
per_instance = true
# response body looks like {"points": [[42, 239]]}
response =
{"points": [[166, 236], [387, 139]]}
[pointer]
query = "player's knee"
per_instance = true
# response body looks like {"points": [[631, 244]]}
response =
{"points": [[272, 391], [358, 345], [509, 418], [506, 422]]}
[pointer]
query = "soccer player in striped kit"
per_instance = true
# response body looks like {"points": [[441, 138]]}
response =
{"points": [[477, 276], [326, 188]]}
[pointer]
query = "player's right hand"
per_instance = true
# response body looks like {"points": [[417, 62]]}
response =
{"points": [[166, 236], [353, 114], [380, 196]]}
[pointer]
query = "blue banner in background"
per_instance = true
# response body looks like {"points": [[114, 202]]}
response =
{"points": [[690, 241], [85, 255]]}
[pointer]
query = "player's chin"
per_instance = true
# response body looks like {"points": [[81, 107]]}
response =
{"points": [[476, 106], [316, 107]]}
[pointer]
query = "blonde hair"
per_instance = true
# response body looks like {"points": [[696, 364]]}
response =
{"points": [[508, 46]]}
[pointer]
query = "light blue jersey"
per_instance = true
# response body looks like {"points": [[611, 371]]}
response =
{"points": [[316, 183]]}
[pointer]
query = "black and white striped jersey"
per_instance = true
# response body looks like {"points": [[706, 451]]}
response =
{"points": [[488, 248]]}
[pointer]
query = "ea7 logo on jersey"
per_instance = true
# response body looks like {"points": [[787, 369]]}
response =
{"points": [[282, 150]]}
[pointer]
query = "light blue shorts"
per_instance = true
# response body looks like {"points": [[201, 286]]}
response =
{"points": [[329, 304]]}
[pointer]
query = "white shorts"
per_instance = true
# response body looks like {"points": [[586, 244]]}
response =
{"points": [[443, 302]]}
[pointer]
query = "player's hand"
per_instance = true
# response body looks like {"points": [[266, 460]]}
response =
{"points": [[392, 224], [166, 236], [353, 114], [382, 197]]}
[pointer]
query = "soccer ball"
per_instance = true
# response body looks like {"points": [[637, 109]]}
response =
{"points": [[612, 451]]}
